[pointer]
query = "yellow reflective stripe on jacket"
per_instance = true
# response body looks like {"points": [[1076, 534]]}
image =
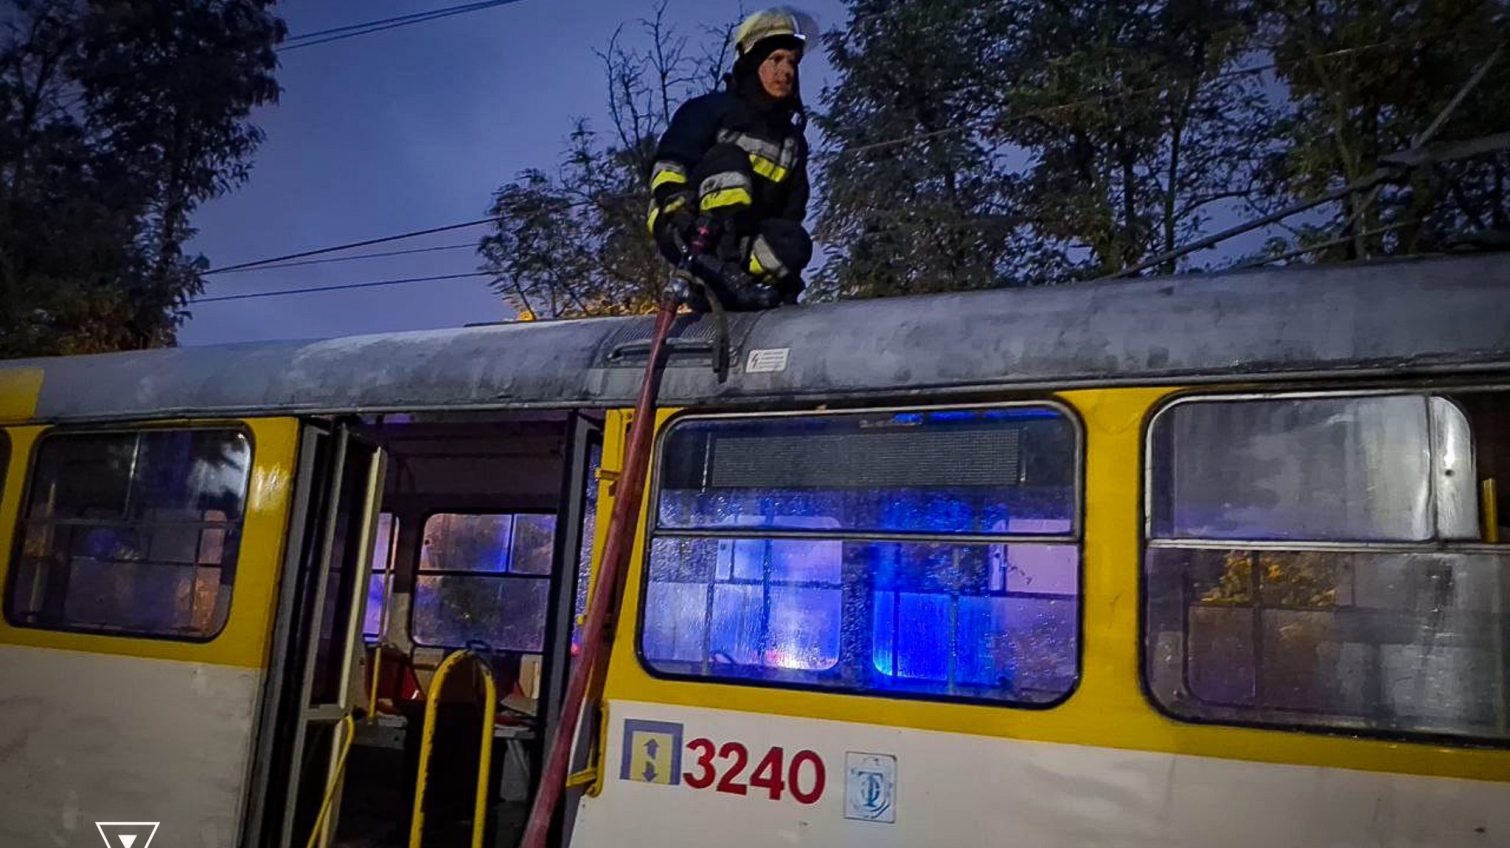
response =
{"points": [[656, 210], [768, 169], [769, 160], [725, 198], [667, 172], [722, 181], [759, 146], [763, 260]]}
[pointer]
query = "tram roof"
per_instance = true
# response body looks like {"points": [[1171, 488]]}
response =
{"points": [[1415, 316]]}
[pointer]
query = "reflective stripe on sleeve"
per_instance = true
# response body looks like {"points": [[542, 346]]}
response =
{"points": [[667, 172], [655, 210], [763, 261], [726, 198], [723, 190]]}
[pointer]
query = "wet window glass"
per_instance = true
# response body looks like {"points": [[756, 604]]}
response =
{"points": [[484, 579], [1344, 469], [812, 576], [1402, 638], [383, 538], [995, 471], [132, 532]]}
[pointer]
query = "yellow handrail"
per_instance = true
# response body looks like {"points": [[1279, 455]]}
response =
{"points": [[484, 758], [1490, 504], [377, 668], [592, 776], [348, 725]]}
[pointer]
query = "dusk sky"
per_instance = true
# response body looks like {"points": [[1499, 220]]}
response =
{"points": [[407, 129]]}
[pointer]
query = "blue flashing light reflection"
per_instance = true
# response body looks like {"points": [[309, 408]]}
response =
{"points": [[956, 415]]}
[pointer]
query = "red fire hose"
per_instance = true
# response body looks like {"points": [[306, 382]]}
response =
{"points": [[621, 529]]}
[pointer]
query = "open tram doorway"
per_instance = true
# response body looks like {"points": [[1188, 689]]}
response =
{"points": [[435, 536]]}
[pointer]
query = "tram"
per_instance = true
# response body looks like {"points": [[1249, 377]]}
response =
{"points": [[1211, 560]]}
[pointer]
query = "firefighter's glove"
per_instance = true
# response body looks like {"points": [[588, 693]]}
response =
{"points": [[735, 289]]}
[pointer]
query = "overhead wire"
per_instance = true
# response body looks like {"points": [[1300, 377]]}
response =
{"points": [[377, 255], [326, 36], [849, 151], [1260, 261], [1367, 182], [1046, 111], [339, 287], [304, 36], [351, 245]]}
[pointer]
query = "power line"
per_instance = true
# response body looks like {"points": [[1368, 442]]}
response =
{"points": [[326, 36], [341, 287], [305, 36], [1261, 261], [350, 246], [467, 246], [1106, 98], [1418, 151], [850, 151]]}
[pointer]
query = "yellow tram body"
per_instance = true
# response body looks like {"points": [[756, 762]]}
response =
{"points": [[111, 725]]}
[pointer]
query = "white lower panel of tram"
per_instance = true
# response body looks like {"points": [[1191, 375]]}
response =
{"points": [[678, 776]]}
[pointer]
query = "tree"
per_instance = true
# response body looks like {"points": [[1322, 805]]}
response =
{"points": [[979, 143], [574, 243], [1366, 78], [117, 118], [1039, 140], [1140, 121], [916, 195]]}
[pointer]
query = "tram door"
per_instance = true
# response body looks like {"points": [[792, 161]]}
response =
{"points": [[307, 710]]}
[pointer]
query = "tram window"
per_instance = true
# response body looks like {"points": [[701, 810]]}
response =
{"points": [[382, 552], [484, 578], [134, 533], [1338, 578], [926, 553], [1005, 471], [1341, 468], [771, 603]]}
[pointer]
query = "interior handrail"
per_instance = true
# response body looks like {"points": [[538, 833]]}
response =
{"points": [[484, 757], [349, 730]]}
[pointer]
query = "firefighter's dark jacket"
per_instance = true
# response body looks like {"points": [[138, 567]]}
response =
{"points": [[771, 136]]}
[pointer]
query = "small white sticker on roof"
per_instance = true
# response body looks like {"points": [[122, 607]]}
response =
{"points": [[767, 361]]}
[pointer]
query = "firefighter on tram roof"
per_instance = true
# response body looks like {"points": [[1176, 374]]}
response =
{"points": [[729, 186]]}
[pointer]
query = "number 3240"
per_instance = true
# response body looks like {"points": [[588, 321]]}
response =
{"points": [[803, 777]]}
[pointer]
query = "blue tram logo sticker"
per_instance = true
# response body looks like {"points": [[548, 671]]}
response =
{"points": [[652, 752], [870, 787]]}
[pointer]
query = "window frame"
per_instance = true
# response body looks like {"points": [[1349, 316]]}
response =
{"points": [[18, 541], [7, 458], [391, 556], [419, 572], [1148, 541], [1073, 538]]}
